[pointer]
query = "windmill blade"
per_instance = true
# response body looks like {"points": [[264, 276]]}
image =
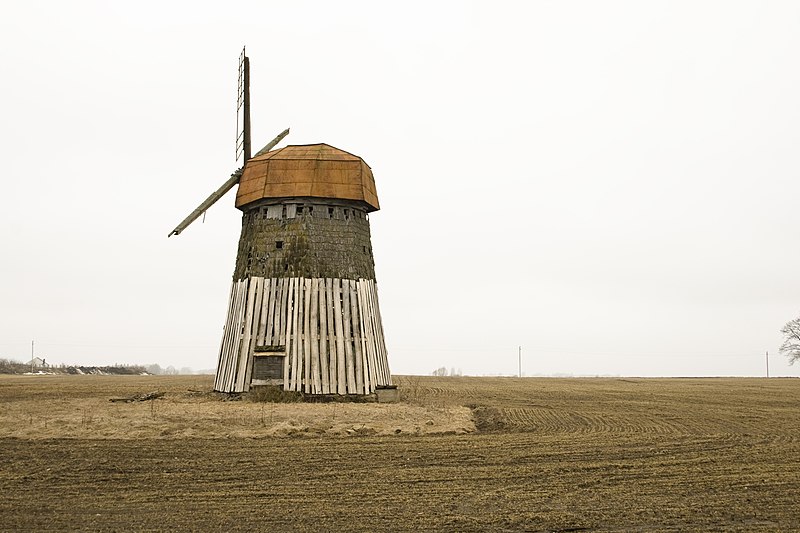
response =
{"points": [[270, 145], [228, 185], [211, 200]]}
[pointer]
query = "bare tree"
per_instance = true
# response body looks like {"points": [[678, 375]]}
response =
{"points": [[791, 342]]}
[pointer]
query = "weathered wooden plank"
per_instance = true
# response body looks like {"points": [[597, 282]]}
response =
{"points": [[225, 373], [369, 382], [362, 337], [329, 308], [348, 338], [286, 287], [341, 379], [316, 382], [356, 336], [227, 339], [230, 378], [292, 298], [374, 339], [323, 337], [244, 349], [272, 327], [299, 303], [230, 329], [224, 337], [237, 336], [259, 294], [269, 312], [285, 334], [369, 333], [307, 335], [384, 357], [266, 288], [274, 211]]}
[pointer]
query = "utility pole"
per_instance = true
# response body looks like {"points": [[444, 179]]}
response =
{"points": [[520, 361], [767, 363]]}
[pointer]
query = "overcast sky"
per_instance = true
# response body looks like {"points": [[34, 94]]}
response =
{"points": [[611, 185]]}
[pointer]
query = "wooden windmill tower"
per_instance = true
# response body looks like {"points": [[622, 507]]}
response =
{"points": [[303, 310]]}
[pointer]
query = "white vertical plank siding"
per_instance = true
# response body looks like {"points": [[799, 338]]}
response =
{"points": [[306, 335], [348, 338], [316, 381], [331, 330], [341, 380], [356, 337], [325, 378]]}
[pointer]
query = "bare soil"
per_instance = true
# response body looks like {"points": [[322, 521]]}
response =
{"points": [[471, 454]]}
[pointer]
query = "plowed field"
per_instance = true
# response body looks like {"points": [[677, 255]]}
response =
{"points": [[458, 454]]}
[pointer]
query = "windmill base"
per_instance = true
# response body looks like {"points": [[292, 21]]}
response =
{"points": [[274, 392], [318, 336]]}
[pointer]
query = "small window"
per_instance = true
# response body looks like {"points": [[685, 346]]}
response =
{"points": [[310, 209], [347, 214], [365, 249], [278, 245], [268, 367], [330, 212]]}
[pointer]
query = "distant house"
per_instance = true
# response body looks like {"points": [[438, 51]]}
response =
{"points": [[37, 362]]}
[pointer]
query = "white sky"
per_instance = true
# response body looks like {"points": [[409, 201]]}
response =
{"points": [[611, 185]]}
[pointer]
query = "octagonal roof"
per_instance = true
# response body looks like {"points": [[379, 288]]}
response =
{"points": [[311, 170]]}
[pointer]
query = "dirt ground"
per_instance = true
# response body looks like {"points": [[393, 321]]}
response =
{"points": [[471, 454]]}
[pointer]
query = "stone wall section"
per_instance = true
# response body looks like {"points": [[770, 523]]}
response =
{"points": [[297, 238]]}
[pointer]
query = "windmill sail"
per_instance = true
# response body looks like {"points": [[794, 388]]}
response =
{"points": [[228, 185]]}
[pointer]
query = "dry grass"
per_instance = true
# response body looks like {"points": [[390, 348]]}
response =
{"points": [[550, 455], [78, 407]]}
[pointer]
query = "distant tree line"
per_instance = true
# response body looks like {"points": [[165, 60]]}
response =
{"points": [[442, 371], [10, 366], [156, 370]]}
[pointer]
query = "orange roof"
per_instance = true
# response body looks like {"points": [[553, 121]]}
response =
{"points": [[311, 170]]}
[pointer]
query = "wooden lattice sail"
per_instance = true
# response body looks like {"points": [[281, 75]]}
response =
{"points": [[303, 310]]}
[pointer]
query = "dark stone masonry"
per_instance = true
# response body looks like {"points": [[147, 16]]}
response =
{"points": [[309, 238]]}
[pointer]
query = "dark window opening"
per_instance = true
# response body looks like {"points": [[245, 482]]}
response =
{"points": [[268, 367], [310, 209], [278, 244], [365, 249], [330, 212], [347, 214]]}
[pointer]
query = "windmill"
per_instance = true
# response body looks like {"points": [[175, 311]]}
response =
{"points": [[303, 310]]}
